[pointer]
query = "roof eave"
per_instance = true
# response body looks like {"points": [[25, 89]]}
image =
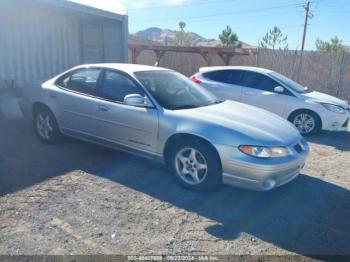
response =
{"points": [[84, 9]]}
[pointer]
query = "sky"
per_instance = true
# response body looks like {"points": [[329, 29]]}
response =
{"points": [[249, 19]]}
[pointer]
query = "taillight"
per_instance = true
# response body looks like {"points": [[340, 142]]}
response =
{"points": [[196, 80]]}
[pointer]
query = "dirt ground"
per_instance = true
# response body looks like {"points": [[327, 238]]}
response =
{"points": [[78, 198]]}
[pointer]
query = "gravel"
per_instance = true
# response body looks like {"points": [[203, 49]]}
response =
{"points": [[78, 198]]}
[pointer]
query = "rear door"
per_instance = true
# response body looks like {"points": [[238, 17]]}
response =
{"points": [[74, 100], [259, 91], [224, 83]]}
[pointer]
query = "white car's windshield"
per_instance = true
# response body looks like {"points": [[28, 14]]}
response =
{"points": [[174, 91], [290, 83]]}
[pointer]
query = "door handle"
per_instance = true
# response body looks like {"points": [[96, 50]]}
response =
{"points": [[249, 93], [103, 108]]}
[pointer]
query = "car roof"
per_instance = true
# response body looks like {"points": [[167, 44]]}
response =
{"points": [[245, 68], [128, 68]]}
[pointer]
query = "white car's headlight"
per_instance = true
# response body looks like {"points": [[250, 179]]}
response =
{"points": [[265, 152], [334, 108]]}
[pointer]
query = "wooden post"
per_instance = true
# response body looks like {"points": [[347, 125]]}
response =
{"points": [[134, 54], [226, 57], [159, 55], [208, 57]]}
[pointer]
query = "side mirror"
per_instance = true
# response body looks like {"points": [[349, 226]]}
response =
{"points": [[136, 100], [279, 89]]}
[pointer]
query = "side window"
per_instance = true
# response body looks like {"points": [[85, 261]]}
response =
{"points": [[209, 75], [115, 86], [259, 81], [236, 77], [63, 80], [232, 77], [84, 80]]}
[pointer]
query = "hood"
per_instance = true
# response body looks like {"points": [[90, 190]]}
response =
{"points": [[324, 98], [255, 125]]}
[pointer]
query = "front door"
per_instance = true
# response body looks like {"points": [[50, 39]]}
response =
{"points": [[131, 126], [259, 91]]}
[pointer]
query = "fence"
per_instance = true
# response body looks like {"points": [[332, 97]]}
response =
{"points": [[321, 71]]}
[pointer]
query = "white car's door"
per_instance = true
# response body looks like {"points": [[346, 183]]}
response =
{"points": [[260, 91], [73, 100], [224, 84], [116, 122]]}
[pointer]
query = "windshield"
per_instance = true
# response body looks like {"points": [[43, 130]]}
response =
{"points": [[174, 91], [290, 83]]}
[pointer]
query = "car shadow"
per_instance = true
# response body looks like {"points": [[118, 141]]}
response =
{"points": [[338, 140], [308, 216]]}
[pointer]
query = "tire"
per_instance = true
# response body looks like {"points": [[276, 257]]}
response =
{"points": [[45, 126], [209, 177], [307, 122]]}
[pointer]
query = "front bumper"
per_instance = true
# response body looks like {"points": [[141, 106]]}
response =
{"points": [[335, 122], [244, 171]]}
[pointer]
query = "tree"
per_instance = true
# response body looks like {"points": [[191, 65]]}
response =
{"points": [[181, 37], [274, 39], [228, 38], [334, 45]]}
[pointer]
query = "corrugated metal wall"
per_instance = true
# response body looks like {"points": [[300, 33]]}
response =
{"points": [[37, 43]]}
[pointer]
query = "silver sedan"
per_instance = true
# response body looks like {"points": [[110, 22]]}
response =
{"points": [[160, 114]]}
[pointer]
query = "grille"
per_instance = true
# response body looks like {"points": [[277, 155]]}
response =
{"points": [[298, 148]]}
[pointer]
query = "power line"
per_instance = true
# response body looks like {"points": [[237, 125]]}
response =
{"points": [[222, 14], [245, 16], [181, 5]]}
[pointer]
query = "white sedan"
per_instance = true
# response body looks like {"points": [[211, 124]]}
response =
{"points": [[308, 110]]}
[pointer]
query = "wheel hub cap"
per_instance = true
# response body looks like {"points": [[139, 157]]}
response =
{"points": [[191, 166], [44, 126], [304, 123]]}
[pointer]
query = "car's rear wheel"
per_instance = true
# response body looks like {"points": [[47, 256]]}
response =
{"points": [[307, 122], [45, 126], [196, 165]]}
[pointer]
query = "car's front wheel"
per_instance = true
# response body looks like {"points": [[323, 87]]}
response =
{"points": [[196, 165], [307, 122], [45, 126]]}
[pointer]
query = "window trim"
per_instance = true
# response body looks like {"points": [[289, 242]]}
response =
{"points": [[70, 73], [99, 89]]}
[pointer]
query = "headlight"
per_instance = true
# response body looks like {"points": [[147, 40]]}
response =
{"points": [[265, 152], [334, 108]]}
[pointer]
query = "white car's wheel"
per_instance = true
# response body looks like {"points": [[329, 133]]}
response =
{"points": [[307, 122]]}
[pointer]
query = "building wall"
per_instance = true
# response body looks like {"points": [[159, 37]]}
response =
{"points": [[38, 42]]}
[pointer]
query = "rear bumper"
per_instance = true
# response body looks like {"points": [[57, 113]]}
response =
{"points": [[248, 172]]}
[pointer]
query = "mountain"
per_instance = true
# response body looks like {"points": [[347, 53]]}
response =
{"points": [[165, 35]]}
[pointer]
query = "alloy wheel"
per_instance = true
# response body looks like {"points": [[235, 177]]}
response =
{"points": [[305, 123], [44, 125], [191, 166]]}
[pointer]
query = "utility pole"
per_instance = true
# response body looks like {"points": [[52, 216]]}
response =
{"points": [[307, 15]]}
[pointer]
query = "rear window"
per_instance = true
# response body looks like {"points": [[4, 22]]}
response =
{"points": [[233, 77]]}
